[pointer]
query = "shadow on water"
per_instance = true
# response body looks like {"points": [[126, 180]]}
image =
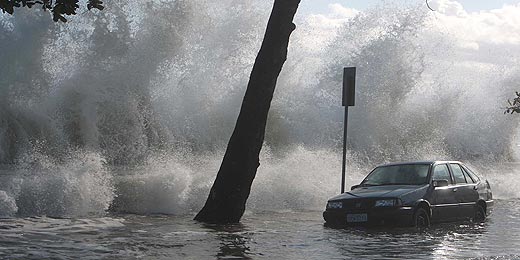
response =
{"points": [[234, 242]]}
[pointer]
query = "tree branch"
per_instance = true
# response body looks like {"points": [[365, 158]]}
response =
{"points": [[58, 8], [514, 105], [429, 6]]}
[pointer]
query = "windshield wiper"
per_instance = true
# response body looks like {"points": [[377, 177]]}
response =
{"points": [[400, 183], [386, 184], [368, 184]]}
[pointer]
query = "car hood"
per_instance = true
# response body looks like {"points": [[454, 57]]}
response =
{"points": [[384, 191]]}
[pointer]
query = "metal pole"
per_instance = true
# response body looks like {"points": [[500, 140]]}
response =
{"points": [[344, 168], [349, 91]]}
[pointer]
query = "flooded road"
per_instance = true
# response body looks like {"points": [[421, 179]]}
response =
{"points": [[131, 110], [261, 235]]}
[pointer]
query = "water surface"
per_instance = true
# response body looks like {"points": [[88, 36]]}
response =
{"points": [[261, 235]]}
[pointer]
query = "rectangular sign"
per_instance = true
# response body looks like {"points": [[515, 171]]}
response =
{"points": [[349, 86]]}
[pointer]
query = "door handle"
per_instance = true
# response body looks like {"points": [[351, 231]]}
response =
{"points": [[454, 189], [475, 187]]}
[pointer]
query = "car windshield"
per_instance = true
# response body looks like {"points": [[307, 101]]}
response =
{"points": [[405, 174]]}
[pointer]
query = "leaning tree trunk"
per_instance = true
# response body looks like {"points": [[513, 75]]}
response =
{"points": [[227, 198]]}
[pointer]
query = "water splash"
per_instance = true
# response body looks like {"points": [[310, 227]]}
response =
{"points": [[130, 109], [80, 186]]}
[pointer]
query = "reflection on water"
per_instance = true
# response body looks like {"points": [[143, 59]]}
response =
{"points": [[262, 235], [234, 246], [234, 242], [440, 241]]}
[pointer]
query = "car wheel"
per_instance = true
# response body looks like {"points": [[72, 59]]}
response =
{"points": [[480, 214], [421, 218]]}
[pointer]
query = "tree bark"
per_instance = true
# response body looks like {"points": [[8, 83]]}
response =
{"points": [[228, 196]]}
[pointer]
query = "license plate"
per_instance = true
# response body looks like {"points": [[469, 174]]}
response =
{"points": [[357, 217]]}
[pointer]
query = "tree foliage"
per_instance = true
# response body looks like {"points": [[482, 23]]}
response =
{"points": [[514, 105], [58, 8]]}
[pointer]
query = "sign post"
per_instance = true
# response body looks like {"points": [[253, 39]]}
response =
{"points": [[349, 90]]}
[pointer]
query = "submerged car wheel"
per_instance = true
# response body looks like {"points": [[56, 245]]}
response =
{"points": [[480, 214], [421, 218]]}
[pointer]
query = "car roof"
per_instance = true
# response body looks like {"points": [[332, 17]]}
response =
{"points": [[418, 162]]}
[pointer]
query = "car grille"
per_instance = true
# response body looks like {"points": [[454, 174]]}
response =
{"points": [[358, 204]]}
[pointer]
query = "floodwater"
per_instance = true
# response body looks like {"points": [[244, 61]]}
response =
{"points": [[130, 111], [261, 235]]}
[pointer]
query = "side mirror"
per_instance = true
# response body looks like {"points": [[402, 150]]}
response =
{"points": [[440, 183], [354, 187]]}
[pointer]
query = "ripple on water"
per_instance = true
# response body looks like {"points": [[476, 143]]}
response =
{"points": [[264, 235]]}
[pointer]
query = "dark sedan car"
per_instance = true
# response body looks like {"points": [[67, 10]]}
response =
{"points": [[413, 194]]}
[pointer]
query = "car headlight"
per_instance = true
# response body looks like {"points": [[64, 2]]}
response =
{"points": [[334, 205], [386, 203]]}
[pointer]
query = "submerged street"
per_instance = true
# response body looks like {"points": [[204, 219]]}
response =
{"points": [[262, 235], [114, 125]]}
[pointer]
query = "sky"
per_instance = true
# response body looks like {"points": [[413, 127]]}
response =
{"points": [[320, 6], [474, 23]]}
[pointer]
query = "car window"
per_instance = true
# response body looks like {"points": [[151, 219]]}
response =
{"points": [[457, 173], [469, 179], [440, 172], [402, 174], [471, 174]]}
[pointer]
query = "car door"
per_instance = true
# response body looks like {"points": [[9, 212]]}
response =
{"points": [[466, 194], [444, 202]]}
